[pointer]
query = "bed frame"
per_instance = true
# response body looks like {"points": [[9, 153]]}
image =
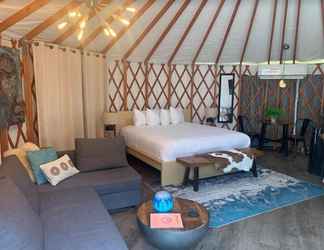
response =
{"points": [[172, 172]]}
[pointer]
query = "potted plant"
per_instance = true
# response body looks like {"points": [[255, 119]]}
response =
{"points": [[273, 113]]}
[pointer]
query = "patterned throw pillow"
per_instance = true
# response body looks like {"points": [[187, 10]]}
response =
{"points": [[59, 170], [37, 158]]}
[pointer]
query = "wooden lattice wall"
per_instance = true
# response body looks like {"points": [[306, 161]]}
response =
{"points": [[194, 87], [17, 134]]}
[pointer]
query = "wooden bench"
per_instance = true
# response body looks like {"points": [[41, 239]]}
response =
{"points": [[202, 160]]}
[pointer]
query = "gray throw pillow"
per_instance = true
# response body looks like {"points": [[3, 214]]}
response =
{"points": [[103, 153], [20, 226]]}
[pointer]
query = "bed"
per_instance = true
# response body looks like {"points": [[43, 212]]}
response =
{"points": [[159, 146]]}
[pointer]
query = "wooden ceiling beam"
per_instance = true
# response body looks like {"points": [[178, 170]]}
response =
{"points": [[73, 28], [237, 5], [167, 29], [187, 30], [132, 21], [22, 13], [148, 29], [211, 25], [283, 32], [296, 32], [256, 4], [51, 20], [100, 29], [273, 24]]}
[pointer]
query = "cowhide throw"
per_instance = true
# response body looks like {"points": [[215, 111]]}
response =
{"points": [[235, 160]]}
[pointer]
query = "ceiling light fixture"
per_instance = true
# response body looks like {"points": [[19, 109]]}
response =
{"points": [[89, 8]]}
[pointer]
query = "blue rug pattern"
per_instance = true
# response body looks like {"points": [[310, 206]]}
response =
{"points": [[235, 197]]}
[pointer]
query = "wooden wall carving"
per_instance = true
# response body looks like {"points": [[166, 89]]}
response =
{"points": [[17, 134]]}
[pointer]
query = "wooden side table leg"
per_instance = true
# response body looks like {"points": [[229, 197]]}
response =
{"points": [[196, 179], [186, 176]]}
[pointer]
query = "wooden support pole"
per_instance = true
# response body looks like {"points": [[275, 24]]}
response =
{"points": [[192, 92], [28, 76], [132, 21], [148, 29], [296, 32], [228, 30], [146, 83], [272, 29], [211, 25], [283, 32], [249, 30], [187, 30], [167, 29], [322, 7], [169, 84], [4, 144], [125, 87], [22, 13], [51, 20]]}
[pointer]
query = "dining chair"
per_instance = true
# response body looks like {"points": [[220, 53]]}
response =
{"points": [[302, 127], [244, 126]]}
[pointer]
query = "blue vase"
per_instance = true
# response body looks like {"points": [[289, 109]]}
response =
{"points": [[162, 202]]}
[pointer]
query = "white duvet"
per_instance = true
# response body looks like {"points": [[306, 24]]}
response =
{"points": [[166, 143]]}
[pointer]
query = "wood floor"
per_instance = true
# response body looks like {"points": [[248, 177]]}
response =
{"points": [[298, 227]]}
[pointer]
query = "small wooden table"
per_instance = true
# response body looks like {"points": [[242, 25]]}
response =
{"points": [[185, 238], [202, 160], [283, 139]]}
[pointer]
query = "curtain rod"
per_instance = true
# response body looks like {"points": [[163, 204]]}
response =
{"points": [[49, 45], [64, 48]]}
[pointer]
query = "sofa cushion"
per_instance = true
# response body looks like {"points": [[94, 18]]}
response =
{"points": [[103, 181], [12, 168], [37, 158], [77, 219], [103, 153], [20, 226]]}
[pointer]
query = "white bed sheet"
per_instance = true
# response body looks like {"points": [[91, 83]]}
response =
{"points": [[166, 143]]}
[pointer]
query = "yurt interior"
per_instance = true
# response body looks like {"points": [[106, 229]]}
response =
{"points": [[161, 124]]}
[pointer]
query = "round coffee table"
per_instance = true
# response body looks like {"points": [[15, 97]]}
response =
{"points": [[194, 227]]}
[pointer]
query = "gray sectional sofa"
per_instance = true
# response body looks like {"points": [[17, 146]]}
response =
{"points": [[70, 216]]}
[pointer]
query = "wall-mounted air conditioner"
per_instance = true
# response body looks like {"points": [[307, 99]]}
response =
{"points": [[282, 71]]}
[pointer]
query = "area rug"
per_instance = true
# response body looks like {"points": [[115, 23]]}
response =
{"points": [[235, 197]]}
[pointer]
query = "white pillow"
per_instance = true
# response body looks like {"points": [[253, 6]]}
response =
{"points": [[165, 117], [139, 118], [152, 117], [176, 116], [59, 170]]}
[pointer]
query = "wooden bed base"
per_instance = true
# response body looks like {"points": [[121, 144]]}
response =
{"points": [[172, 172]]}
